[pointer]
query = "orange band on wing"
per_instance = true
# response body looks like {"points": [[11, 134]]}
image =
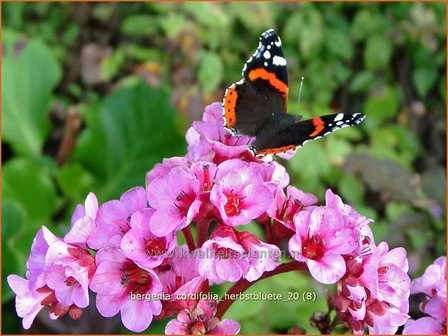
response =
{"points": [[276, 150], [319, 126], [261, 73], [229, 105]]}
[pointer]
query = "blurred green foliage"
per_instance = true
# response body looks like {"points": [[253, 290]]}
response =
{"points": [[94, 94]]}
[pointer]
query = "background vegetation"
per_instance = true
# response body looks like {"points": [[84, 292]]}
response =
{"points": [[94, 94]]}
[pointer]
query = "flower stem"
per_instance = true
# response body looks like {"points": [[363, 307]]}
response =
{"points": [[268, 227], [202, 227], [242, 285], [189, 238]]}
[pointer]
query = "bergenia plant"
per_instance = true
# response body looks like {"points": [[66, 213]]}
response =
{"points": [[127, 251]]}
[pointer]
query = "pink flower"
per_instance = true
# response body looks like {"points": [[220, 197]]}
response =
{"points": [[322, 237], [224, 258], [122, 286], [141, 246], [68, 272], [354, 219], [174, 197], [162, 169], [83, 221], [382, 318], [240, 196], [64, 268], [59, 275], [385, 275], [231, 255], [178, 269], [433, 281], [261, 257], [112, 220], [287, 206], [433, 284], [28, 301], [201, 321], [37, 260], [425, 326], [208, 140]]}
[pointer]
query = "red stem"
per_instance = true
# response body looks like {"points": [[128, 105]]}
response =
{"points": [[202, 227], [268, 227], [189, 238], [242, 285]]}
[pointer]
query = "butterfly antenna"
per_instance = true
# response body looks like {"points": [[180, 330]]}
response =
{"points": [[300, 93]]}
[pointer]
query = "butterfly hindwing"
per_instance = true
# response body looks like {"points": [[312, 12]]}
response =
{"points": [[289, 135]]}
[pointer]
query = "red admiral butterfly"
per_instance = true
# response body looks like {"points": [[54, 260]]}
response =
{"points": [[256, 105]]}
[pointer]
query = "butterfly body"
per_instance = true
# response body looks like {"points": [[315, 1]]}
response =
{"points": [[256, 105]]}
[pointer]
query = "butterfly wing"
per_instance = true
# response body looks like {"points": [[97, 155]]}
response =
{"points": [[262, 93], [282, 134]]}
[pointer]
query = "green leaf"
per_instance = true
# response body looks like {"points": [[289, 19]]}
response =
{"points": [[362, 82], [13, 220], [30, 184], [210, 14], [380, 107], [75, 181], [210, 71], [111, 64], [338, 43], [125, 136], [139, 25], [367, 22], [377, 52], [30, 73], [424, 79]]}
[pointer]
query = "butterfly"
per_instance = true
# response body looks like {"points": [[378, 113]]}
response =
{"points": [[256, 105]]}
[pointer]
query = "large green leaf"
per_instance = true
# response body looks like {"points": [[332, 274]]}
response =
{"points": [[29, 183], [13, 220], [126, 135], [29, 74]]}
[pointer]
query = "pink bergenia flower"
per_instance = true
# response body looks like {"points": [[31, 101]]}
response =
{"points": [[122, 286], [59, 275], [83, 221], [231, 255], [382, 318], [64, 268], [162, 169], [426, 325], [224, 258], [179, 275], [287, 206], [201, 321], [30, 301], [113, 217], [375, 290], [37, 260], [261, 257], [174, 197], [208, 140], [69, 271], [385, 275], [143, 247], [240, 196], [322, 238], [433, 284]]}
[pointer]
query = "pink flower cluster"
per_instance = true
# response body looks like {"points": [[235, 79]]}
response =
{"points": [[433, 284], [127, 250]]}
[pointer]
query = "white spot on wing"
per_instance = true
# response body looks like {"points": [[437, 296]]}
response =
{"points": [[340, 116], [278, 60], [267, 54]]}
